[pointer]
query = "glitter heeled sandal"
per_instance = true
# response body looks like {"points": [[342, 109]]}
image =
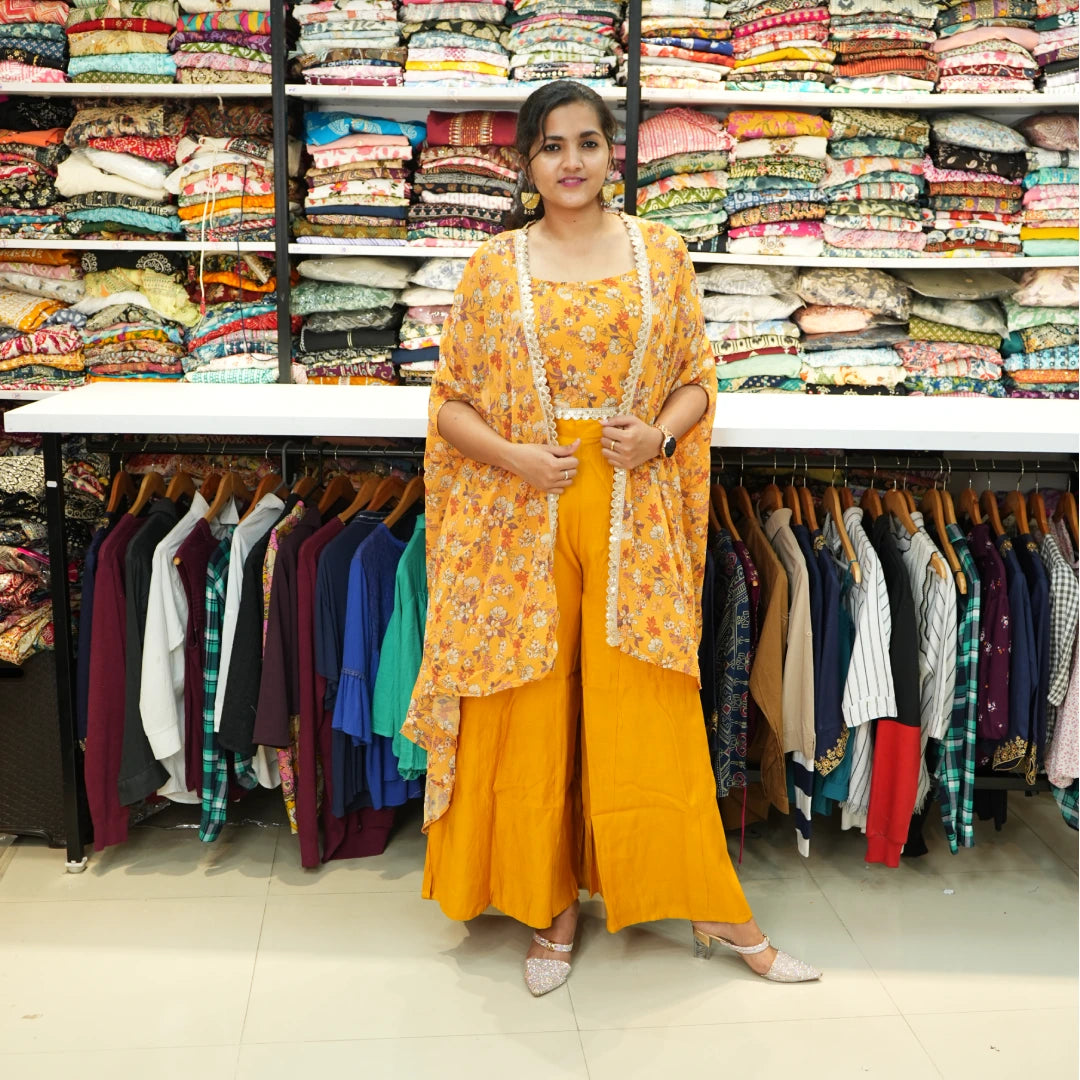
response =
{"points": [[785, 968], [543, 976]]}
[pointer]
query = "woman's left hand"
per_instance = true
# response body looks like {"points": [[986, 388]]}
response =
{"points": [[628, 442]]}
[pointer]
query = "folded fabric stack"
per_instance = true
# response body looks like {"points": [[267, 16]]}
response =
{"points": [[682, 177], [465, 180], [773, 198], [235, 341], [684, 45], [358, 184], [224, 175], [553, 39], [1051, 214], [30, 202], [40, 343], [351, 313], [884, 44], [428, 300], [121, 41], [137, 308], [955, 332], [747, 321], [987, 59], [115, 178], [350, 43], [222, 41], [33, 46], [851, 321], [874, 184], [223, 278], [1041, 351], [455, 44], [1058, 27], [954, 341], [974, 169], [781, 45]]}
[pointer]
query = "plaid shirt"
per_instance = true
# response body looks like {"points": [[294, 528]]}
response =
{"points": [[956, 790], [1069, 801], [215, 786], [1064, 609]]}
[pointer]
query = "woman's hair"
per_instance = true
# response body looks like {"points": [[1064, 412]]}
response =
{"points": [[530, 127]]}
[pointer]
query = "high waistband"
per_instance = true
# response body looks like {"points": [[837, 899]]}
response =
{"points": [[588, 431], [586, 414]]}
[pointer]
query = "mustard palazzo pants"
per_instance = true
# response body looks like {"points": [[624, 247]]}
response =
{"points": [[596, 776]]}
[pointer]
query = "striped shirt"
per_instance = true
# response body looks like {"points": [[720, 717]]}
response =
{"points": [[869, 693]]}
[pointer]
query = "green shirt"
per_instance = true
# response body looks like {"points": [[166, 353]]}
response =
{"points": [[402, 651]]}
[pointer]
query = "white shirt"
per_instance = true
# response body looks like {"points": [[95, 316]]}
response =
{"points": [[254, 526], [161, 691]]}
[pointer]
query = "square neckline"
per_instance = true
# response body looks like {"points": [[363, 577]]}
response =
{"points": [[583, 281]]}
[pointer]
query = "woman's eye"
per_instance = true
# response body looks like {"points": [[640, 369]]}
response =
{"points": [[554, 147], [589, 144]]}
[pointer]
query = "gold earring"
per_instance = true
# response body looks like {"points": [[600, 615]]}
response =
{"points": [[607, 193], [530, 200]]}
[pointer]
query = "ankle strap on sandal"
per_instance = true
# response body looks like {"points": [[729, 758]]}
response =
{"points": [[554, 946], [748, 950]]}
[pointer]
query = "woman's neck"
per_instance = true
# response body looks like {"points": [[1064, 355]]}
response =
{"points": [[573, 229]]}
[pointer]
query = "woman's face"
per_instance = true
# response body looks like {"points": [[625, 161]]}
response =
{"points": [[570, 161]]}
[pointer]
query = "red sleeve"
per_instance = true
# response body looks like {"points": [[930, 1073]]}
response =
{"points": [[893, 787]]}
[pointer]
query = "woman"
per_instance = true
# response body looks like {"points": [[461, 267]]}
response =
{"points": [[567, 497]]}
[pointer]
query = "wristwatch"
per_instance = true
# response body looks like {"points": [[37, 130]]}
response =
{"points": [[667, 446]]}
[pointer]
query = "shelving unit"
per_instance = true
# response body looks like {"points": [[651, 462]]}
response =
{"points": [[138, 245], [855, 99], [139, 90]]}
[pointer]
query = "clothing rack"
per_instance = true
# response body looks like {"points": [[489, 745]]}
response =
{"points": [[76, 810]]}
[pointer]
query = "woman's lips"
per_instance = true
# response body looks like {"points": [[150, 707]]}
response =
{"points": [[572, 181]]}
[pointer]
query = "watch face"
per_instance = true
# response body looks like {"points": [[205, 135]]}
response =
{"points": [[669, 446]]}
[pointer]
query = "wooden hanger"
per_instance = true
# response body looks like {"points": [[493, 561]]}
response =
{"points": [[830, 503], [305, 486], [389, 488], [933, 506], [791, 501], [948, 507], [806, 500], [719, 506], [988, 502], [847, 499], [910, 500], [341, 487], [870, 501], [210, 485], [362, 498], [267, 485], [152, 487], [231, 487], [969, 505], [414, 490], [896, 504], [179, 486], [1066, 508], [123, 487], [743, 502], [1037, 509], [1016, 505]]}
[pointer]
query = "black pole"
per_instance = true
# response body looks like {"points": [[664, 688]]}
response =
{"points": [[633, 105], [280, 107], [76, 823]]}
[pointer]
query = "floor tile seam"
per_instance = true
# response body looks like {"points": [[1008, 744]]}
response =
{"points": [[971, 1012], [584, 1055], [407, 1037], [843, 1015], [254, 968], [859, 949], [51, 901], [925, 1049], [120, 1049]]}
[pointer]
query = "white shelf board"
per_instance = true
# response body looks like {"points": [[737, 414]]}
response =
{"points": [[13, 394], [928, 262], [134, 245], [435, 97], [883, 99], [794, 421], [184, 90], [402, 251]]}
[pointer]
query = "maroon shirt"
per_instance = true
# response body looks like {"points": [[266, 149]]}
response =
{"points": [[193, 557], [105, 700], [362, 832], [995, 636]]}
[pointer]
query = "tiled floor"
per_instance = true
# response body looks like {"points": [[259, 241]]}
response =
{"points": [[172, 959]]}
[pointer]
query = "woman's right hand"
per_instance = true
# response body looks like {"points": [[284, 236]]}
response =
{"points": [[547, 468]]}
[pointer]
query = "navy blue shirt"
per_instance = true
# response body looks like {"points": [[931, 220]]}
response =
{"points": [[1023, 663], [331, 591], [1027, 551], [86, 608]]}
